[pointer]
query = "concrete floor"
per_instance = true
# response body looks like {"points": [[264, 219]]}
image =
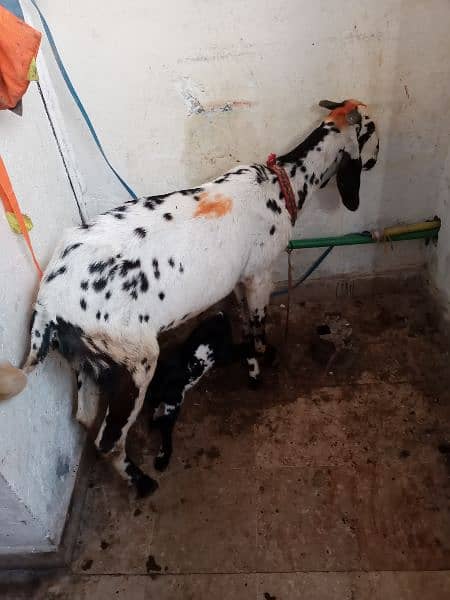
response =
{"points": [[321, 486]]}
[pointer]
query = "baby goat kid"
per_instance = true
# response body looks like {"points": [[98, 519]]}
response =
{"points": [[144, 267], [209, 345]]}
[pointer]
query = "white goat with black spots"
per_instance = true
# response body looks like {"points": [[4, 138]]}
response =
{"points": [[112, 286]]}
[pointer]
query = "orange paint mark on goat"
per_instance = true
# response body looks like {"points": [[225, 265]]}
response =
{"points": [[213, 207], [338, 115]]}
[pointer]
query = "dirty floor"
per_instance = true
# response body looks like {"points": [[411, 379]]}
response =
{"points": [[326, 484]]}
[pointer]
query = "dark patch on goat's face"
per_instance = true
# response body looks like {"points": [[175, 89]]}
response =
{"points": [[272, 230], [140, 232], [273, 206], [168, 216], [69, 249], [161, 295], [84, 285], [369, 127], [55, 274], [83, 303]]}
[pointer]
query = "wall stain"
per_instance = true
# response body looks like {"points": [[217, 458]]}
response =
{"points": [[62, 466]]}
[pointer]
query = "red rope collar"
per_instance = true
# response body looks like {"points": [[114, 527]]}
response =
{"points": [[285, 185]]}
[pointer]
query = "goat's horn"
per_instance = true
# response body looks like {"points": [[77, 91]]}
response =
{"points": [[330, 105]]}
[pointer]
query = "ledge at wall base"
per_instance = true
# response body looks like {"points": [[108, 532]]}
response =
{"points": [[46, 555]]}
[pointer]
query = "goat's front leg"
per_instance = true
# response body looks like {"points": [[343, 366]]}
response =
{"points": [[258, 291], [248, 353], [165, 424]]}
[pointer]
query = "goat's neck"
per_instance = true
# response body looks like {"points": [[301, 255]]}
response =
{"points": [[311, 164]]}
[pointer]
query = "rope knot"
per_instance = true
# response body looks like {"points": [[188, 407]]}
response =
{"points": [[271, 159]]}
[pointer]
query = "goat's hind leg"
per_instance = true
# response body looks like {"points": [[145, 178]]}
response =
{"points": [[87, 399], [125, 389]]}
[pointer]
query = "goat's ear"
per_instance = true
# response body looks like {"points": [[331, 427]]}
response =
{"points": [[348, 180], [330, 104]]}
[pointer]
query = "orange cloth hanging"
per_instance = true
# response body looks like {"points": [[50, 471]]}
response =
{"points": [[11, 204], [19, 44]]}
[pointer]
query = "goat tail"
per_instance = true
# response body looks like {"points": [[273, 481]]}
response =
{"points": [[12, 379]]}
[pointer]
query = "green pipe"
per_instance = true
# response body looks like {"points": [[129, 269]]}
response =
{"points": [[353, 239]]}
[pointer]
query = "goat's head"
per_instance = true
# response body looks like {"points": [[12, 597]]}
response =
{"points": [[357, 147]]}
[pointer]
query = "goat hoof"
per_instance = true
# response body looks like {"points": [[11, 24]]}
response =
{"points": [[254, 383], [161, 462], [145, 486], [270, 358]]}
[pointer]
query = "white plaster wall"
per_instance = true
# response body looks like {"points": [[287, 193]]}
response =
{"points": [[142, 67], [39, 441]]}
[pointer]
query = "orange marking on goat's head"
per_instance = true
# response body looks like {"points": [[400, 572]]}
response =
{"points": [[339, 115], [213, 207]]}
